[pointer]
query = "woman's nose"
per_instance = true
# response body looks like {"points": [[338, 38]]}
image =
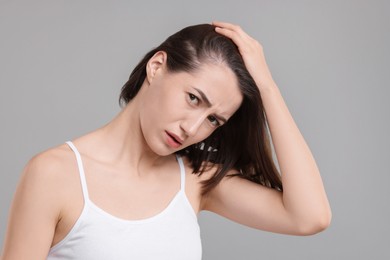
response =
{"points": [[191, 125]]}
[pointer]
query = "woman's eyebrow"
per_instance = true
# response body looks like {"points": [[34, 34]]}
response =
{"points": [[208, 103], [204, 97]]}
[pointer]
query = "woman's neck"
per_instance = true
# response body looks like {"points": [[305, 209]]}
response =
{"points": [[121, 142]]}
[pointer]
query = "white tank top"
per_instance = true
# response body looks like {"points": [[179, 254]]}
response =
{"points": [[172, 234]]}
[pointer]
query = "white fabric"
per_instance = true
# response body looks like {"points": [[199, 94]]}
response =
{"points": [[172, 234]]}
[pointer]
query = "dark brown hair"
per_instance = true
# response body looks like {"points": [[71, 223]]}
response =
{"points": [[243, 143]]}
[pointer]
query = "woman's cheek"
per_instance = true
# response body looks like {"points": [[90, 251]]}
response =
{"points": [[203, 132]]}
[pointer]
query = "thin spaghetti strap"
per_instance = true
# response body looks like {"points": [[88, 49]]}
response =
{"points": [[182, 173], [81, 171]]}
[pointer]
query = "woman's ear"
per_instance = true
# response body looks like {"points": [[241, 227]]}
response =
{"points": [[155, 64]]}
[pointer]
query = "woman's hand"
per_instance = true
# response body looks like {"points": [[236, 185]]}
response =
{"points": [[251, 52]]}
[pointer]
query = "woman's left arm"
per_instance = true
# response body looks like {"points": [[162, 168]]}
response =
{"points": [[303, 197]]}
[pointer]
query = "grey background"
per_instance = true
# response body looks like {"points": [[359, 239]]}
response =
{"points": [[62, 64]]}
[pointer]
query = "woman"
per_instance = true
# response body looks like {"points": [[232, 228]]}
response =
{"points": [[199, 103]]}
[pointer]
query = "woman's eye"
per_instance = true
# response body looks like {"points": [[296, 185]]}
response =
{"points": [[213, 121], [193, 99]]}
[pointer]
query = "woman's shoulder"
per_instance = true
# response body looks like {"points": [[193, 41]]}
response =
{"points": [[39, 199], [42, 188], [50, 161], [49, 169]]}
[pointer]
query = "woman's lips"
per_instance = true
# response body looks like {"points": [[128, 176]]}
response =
{"points": [[173, 140]]}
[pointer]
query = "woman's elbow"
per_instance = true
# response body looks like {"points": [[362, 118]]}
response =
{"points": [[316, 225]]}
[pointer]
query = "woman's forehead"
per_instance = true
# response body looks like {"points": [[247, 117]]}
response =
{"points": [[219, 84]]}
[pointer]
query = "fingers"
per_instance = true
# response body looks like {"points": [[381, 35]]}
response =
{"points": [[236, 34], [226, 25], [230, 34], [250, 49], [230, 29]]}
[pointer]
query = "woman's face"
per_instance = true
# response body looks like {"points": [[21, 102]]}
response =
{"points": [[180, 109]]}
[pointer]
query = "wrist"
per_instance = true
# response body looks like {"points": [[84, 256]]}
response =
{"points": [[267, 85]]}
